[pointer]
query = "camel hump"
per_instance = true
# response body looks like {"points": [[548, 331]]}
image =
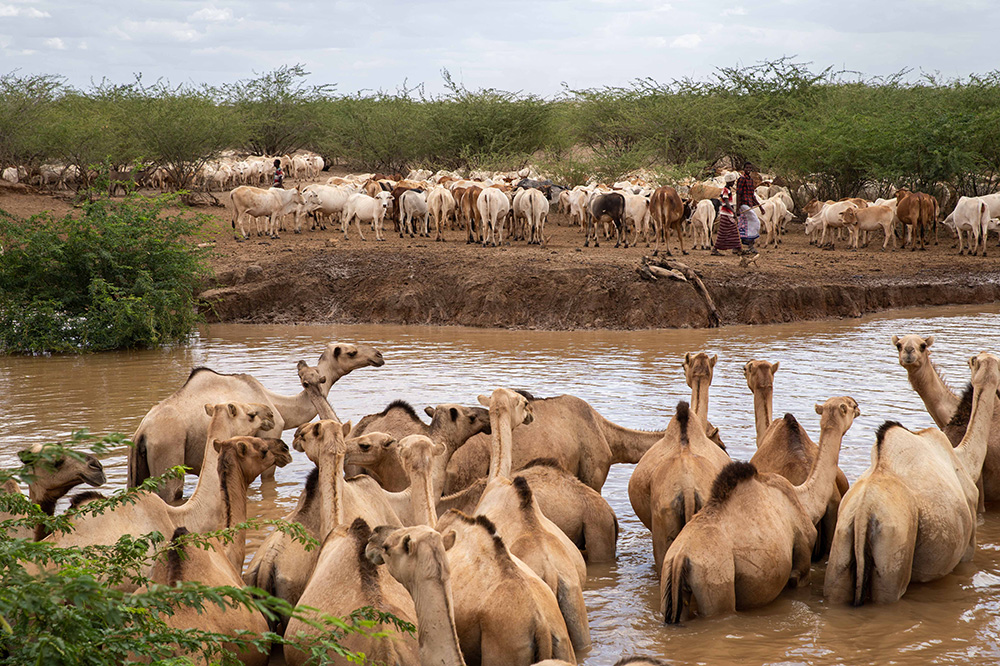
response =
{"points": [[543, 462], [403, 406], [82, 498], [527, 394], [523, 491], [731, 476], [683, 416], [198, 370], [960, 419], [794, 431], [881, 432]]}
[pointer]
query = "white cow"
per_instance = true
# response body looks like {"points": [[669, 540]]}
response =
{"points": [[273, 203], [364, 208], [773, 215], [323, 201], [579, 199], [869, 219], [828, 217], [413, 204], [702, 221], [531, 206], [493, 207], [442, 205], [637, 212], [971, 215]]}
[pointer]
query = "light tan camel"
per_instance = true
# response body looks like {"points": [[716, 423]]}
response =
{"points": [[755, 535], [283, 566], [949, 410], [49, 483], [698, 371], [174, 431], [912, 514], [784, 447], [345, 580], [673, 480], [219, 500], [566, 429], [529, 535], [504, 613], [185, 563], [415, 556], [450, 424]]}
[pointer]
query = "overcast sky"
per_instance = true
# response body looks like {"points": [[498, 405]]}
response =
{"points": [[532, 46]]}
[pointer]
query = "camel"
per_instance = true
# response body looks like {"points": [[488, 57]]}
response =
{"points": [[182, 563], [949, 410], [450, 424], [173, 432], [673, 480], [536, 540], [912, 514], [698, 371], [345, 580], [219, 501], [282, 566], [755, 535], [566, 429], [47, 485], [784, 447]]}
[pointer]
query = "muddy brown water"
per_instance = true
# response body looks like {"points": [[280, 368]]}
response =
{"points": [[633, 378]]}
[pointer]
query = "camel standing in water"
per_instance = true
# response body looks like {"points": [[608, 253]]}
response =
{"points": [[174, 431], [699, 368], [756, 534], [912, 514]]}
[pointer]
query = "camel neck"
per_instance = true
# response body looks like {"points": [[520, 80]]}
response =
{"points": [[699, 400], [501, 454], [219, 428], [331, 492], [762, 414], [939, 400], [293, 409], [423, 502], [627, 445], [320, 405], [436, 633], [814, 493], [971, 451], [226, 507]]}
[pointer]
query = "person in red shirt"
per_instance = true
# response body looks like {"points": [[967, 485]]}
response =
{"points": [[746, 202], [279, 175]]}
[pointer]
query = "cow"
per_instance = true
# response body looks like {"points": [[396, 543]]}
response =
{"points": [[868, 219], [605, 208], [637, 212], [397, 208], [493, 207], [273, 203], [533, 207], [413, 204], [773, 214], [702, 221], [579, 199], [466, 198], [828, 216], [322, 201], [362, 207], [912, 208], [441, 205], [666, 210], [971, 215]]}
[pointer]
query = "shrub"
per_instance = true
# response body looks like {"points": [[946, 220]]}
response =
{"points": [[120, 274]]}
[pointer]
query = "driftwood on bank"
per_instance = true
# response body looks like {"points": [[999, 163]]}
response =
{"points": [[655, 268]]}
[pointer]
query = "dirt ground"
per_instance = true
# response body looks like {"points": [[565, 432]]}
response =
{"points": [[318, 276]]}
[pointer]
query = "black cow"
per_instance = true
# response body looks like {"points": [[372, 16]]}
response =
{"points": [[607, 208]]}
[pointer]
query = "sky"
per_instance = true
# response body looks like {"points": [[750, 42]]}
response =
{"points": [[534, 46]]}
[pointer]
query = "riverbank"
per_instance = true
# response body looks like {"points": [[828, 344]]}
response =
{"points": [[318, 277]]}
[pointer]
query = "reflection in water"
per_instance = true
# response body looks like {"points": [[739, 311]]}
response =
{"points": [[633, 378]]}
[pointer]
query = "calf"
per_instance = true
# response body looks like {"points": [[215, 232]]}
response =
{"points": [[605, 208], [413, 205], [869, 219], [702, 221], [362, 207]]}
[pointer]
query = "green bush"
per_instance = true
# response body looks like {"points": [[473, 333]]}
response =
{"points": [[120, 274]]}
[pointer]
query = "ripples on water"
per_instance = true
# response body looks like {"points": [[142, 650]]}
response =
{"points": [[634, 379]]}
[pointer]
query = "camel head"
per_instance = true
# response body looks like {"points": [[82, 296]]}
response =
{"points": [[699, 367], [912, 350], [412, 554], [760, 375], [318, 436], [458, 423], [504, 400], [244, 418], [985, 371], [252, 454], [340, 358], [311, 378], [52, 477], [838, 412], [417, 453], [371, 448]]}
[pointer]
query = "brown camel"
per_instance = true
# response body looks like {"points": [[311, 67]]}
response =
{"points": [[49, 483], [183, 563], [949, 410], [567, 430], [912, 514], [451, 425], [698, 371], [755, 535], [786, 449], [174, 431], [532, 537], [673, 480], [345, 580]]}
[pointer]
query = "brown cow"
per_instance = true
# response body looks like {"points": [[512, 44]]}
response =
{"points": [[666, 210], [397, 192], [917, 210], [470, 211]]}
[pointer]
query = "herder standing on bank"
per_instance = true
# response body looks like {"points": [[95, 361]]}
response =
{"points": [[728, 237], [746, 201]]}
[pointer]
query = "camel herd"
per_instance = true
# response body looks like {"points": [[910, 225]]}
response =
{"points": [[478, 526]]}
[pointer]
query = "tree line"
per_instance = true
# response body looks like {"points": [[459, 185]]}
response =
{"points": [[841, 130]]}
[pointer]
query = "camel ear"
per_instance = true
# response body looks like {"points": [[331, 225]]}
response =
{"points": [[429, 411], [484, 400], [209, 409], [843, 409], [746, 368], [24, 456], [346, 429], [336, 352], [774, 367], [322, 380], [819, 408], [929, 340], [407, 544], [217, 444], [232, 409], [301, 364], [712, 360], [449, 539], [973, 362], [454, 414], [895, 340], [242, 448], [687, 358]]}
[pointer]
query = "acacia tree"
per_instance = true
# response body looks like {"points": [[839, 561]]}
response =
{"points": [[24, 101]]}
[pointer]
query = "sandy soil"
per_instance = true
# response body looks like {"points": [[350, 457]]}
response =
{"points": [[317, 276]]}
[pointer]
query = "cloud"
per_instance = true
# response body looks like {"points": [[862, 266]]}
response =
{"points": [[211, 13], [7, 11], [55, 43], [156, 30], [734, 11], [688, 41]]}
